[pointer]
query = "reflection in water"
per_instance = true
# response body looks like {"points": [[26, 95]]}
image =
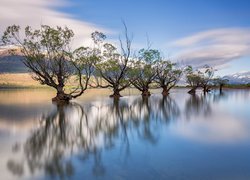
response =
{"points": [[73, 129], [201, 104], [198, 104], [207, 122], [133, 137]]}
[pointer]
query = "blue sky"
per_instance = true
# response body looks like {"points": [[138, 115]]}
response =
{"points": [[222, 27], [163, 19]]}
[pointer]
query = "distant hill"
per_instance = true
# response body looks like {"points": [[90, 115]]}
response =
{"points": [[239, 78], [11, 63]]}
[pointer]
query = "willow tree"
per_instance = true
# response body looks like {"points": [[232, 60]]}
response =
{"points": [[167, 75], [221, 82], [47, 54], [206, 77], [193, 79], [113, 65], [143, 72]]}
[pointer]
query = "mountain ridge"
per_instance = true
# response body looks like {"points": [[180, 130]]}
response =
{"points": [[239, 78]]}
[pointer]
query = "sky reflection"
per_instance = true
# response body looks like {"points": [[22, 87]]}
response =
{"points": [[101, 135]]}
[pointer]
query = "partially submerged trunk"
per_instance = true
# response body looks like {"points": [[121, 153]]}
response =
{"points": [[192, 91], [116, 94], [165, 91], [206, 89], [221, 88], [145, 93], [61, 96]]}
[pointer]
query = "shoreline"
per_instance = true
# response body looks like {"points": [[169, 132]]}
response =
{"points": [[9, 81], [24, 87]]}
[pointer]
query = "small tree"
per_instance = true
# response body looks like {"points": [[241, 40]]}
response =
{"points": [[193, 79], [206, 78], [47, 54], [143, 70], [113, 66], [167, 76], [221, 82]]}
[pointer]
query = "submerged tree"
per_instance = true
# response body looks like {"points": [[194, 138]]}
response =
{"points": [[202, 77], [113, 66], [193, 79], [167, 75], [221, 82], [206, 78], [47, 53], [143, 70]]}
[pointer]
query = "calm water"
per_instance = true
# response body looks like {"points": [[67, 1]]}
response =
{"points": [[178, 137]]}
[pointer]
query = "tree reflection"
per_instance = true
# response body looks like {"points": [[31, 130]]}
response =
{"points": [[85, 131], [169, 109], [197, 104], [201, 104], [148, 114]]}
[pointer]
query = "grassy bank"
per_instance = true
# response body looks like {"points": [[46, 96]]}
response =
{"points": [[21, 81], [238, 86], [18, 80]]}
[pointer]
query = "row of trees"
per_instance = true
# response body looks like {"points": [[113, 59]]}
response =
{"points": [[203, 78], [49, 56]]}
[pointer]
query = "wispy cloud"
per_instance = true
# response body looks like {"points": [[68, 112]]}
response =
{"points": [[215, 47], [37, 12]]}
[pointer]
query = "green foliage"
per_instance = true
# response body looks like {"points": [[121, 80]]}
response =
{"points": [[167, 74], [199, 78], [206, 74], [46, 52], [143, 69], [98, 37], [113, 65], [149, 55], [48, 55], [110, 65]]}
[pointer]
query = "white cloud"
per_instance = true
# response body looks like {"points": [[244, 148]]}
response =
{"points": [[215, 47], [37, 12]]}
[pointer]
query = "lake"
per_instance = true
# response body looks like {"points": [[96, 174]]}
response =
{"points": [[180, 137]]}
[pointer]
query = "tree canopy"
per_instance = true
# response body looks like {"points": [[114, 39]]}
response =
{"points": [[48, 55], [167, 75], [52, 61], [143, 70], [113, 65]]}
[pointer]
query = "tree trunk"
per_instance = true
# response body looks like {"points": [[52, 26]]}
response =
{"points": [[116, 94], [61, 96], [221, 89], [165, 91], [206, 89], [192, 91], [145, 93]]}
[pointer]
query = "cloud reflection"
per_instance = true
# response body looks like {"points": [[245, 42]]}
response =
{"points": [[87, 130]]}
